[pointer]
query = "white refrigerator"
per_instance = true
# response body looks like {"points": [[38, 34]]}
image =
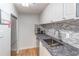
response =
{"points": [[5, 40]]}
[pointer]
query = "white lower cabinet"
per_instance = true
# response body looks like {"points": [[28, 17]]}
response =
{"points": [[43, 51]]}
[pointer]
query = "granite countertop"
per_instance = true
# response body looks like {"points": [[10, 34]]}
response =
{"points": [[61, 50]]}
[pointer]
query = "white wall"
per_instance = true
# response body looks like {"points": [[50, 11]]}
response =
{"points": [[26, 36]]}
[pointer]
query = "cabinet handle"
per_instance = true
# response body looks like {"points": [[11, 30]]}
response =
{"points": [[1, 36]]}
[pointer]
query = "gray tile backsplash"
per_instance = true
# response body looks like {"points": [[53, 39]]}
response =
{"points": [[68, 36], [52, 32]]}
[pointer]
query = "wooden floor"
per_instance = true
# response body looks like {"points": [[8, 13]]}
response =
{"points": [[13, 53], [27, 52]]}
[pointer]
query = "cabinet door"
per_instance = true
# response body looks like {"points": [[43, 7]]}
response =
{"points": [[43, 51], [69, 10], [57, 12], [53, 12]]}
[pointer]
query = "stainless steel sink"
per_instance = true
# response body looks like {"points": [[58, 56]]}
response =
{"points": [[52, 42]]}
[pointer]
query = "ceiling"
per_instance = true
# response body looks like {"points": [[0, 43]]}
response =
{"points": [[34, 8]]}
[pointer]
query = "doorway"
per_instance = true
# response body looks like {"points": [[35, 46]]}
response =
{"points": [[13, 35]]}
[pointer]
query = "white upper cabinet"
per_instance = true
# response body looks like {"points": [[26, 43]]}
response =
{"points": [[52, 13], [60, 11], [57, 12], [69, 10]]}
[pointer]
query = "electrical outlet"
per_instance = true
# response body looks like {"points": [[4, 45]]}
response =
{"points": [[67, 35]]}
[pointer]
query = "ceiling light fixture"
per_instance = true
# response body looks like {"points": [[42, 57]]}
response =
{"points": [[26, 4]]}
